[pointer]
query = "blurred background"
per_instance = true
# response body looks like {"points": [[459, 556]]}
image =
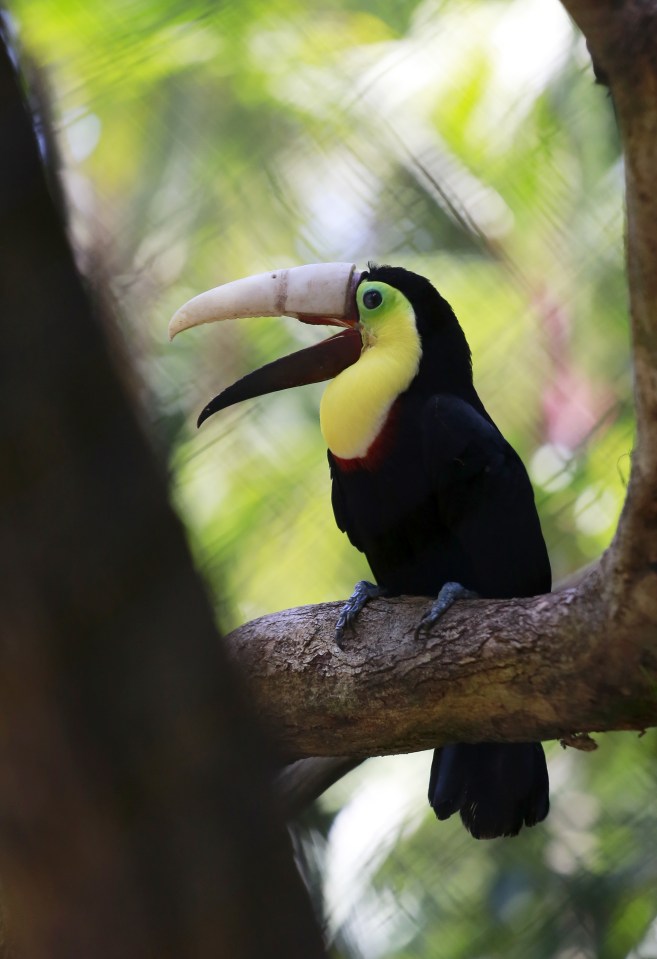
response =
{"points": [[462, 139]]}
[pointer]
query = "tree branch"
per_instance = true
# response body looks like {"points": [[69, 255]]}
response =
{"points": [[301, 782], [537, 668]]}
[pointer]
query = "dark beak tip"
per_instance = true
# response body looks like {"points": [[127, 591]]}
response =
{"points": [[205, 414]]}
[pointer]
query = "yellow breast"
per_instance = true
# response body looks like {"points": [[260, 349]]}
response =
{"points": [[356, 403]]}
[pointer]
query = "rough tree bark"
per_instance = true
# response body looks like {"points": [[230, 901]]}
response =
{"points": [[136, 818], [578, 660]]}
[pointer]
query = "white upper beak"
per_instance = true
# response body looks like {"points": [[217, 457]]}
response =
{"points": [[317, 290]]}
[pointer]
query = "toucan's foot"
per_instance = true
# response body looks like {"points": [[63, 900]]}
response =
{"points": [[449, 593], [362, 594]]}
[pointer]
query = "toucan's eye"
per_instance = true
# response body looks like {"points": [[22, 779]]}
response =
{"points": [[372, 299]]}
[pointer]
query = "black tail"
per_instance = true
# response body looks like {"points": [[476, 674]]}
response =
{"points": [[497, 787]]}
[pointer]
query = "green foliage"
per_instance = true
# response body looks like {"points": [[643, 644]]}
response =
{"points": [[465, 140]]}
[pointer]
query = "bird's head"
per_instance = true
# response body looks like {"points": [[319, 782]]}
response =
{"points": [[384, 312]]}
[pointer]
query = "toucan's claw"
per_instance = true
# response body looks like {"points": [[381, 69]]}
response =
{"points": [[362, 594], [449, 594]]}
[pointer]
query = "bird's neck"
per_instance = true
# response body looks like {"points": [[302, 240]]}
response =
{"points": [[356, 404]]}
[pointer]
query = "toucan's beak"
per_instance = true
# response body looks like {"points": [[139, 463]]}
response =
{"points": [[322, 293]]}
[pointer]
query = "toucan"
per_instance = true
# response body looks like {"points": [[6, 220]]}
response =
{"points": [[423, 482]]}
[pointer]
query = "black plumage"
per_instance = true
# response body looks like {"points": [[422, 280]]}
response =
{"points": [[442, 497]]}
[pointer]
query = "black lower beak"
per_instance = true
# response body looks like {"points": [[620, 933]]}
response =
{"points": [[316, 363]]}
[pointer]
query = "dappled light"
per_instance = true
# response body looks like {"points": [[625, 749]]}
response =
{"points": [[464, 141]]}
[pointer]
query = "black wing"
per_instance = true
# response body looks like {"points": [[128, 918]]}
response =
{"points": [[484, 497]]}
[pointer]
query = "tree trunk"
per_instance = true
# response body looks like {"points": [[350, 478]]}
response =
{"points": [[135, 812]]}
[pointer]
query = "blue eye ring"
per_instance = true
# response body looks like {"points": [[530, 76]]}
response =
{"points": [[372, 299]]}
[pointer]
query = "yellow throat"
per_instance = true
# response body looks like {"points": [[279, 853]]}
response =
{"points": [[356, 403]]}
